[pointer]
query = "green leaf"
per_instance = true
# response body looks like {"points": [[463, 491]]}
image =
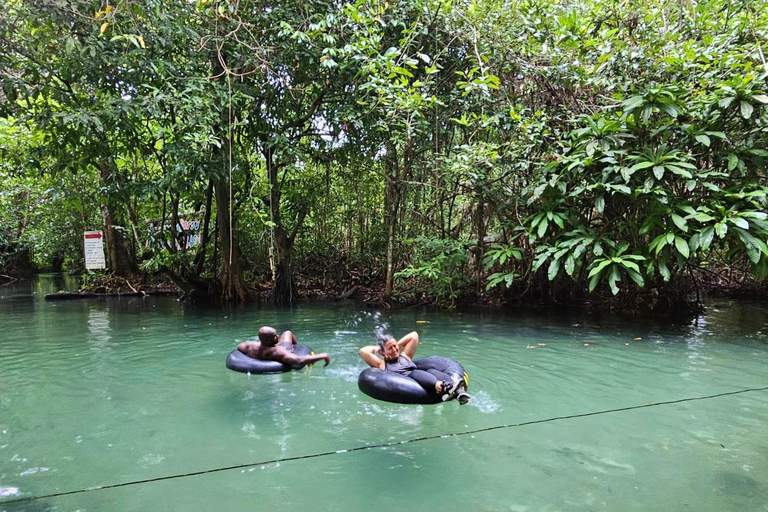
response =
{"points": [[677, 170], [622, 188], [739, 222], [664, 271], [593, 282], [753, 245], [554, 268], [706, 237], [641, 165], [597, 250], [762, 98], [682, 247], [543, 227], [636, 277], [600, 204], [703, 139], [721, 228], [632, 103], [746, 109], [726, 102], [687, 209], [658, 171], [570, 265], [680, 222], [658, 243], [733, 161], [630, 265], [694, 242], [613, 277], [599, 267]]}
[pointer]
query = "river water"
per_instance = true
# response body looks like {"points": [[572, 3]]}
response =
{"points": [[97, 393]]}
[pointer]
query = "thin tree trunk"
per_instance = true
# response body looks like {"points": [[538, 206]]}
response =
{"points": [[200, 256], [231, 277], [480, 240], [284, 292], [392, 206]]}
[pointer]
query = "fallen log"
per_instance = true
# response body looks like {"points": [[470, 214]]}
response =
{"points": [[347, 294], [90, 295]]}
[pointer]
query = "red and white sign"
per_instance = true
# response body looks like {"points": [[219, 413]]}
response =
{"points": [[94, 250]]}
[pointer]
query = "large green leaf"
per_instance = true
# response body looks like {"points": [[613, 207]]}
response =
{"points": [[682, 247], [680, 222], [746, 109]]}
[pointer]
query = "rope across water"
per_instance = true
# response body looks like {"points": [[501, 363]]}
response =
{"points": [[380, 445]]}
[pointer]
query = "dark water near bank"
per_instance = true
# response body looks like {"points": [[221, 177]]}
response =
{"points": [[100, 392]]}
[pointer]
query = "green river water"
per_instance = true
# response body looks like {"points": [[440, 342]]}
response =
{"points": [[102, 392]]}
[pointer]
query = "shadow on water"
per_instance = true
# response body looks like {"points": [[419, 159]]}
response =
{"points": [[27, 506]]}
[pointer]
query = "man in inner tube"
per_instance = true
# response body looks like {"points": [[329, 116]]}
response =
{"points": [[397, 357], [271, 348]]}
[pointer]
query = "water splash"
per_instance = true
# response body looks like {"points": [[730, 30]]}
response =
{"points": [[482, 401]]}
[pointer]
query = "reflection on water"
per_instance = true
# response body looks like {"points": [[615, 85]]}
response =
{"points": [[105, 391]]}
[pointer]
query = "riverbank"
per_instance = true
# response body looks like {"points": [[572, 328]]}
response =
{"points": [[681, 299]]}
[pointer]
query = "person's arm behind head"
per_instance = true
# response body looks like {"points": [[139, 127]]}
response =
{"points": [[409, 343], [368, 354]]}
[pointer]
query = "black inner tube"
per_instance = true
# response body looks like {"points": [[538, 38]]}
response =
{"points": [[240, 362], [393, 387]]}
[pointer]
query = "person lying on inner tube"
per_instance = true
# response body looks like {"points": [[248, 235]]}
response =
{"points": [[394, 360], [271, 348]]}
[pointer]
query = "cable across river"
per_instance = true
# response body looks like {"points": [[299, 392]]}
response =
{"points": [[379, 445]]}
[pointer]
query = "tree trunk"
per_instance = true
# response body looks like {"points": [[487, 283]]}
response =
{"points": [[118, 260], [480, 241], [231, 277], [392, 198], [200, 256], [284, 291]]}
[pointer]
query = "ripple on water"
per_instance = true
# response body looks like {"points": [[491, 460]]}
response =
{"points": [[7, 492]]}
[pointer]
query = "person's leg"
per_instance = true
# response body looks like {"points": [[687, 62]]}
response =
{"points": [[432, 384], [425, 380], [288, 337], [457, 388], [439, 375], [461, 394]]}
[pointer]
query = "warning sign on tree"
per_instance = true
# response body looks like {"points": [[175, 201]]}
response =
{"points": [[94, 250]]}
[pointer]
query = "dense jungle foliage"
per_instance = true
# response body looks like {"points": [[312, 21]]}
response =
{"points": [[433, 150]]}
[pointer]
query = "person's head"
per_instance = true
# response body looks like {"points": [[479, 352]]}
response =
{"points": [[268, 336], [388, 347]]}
